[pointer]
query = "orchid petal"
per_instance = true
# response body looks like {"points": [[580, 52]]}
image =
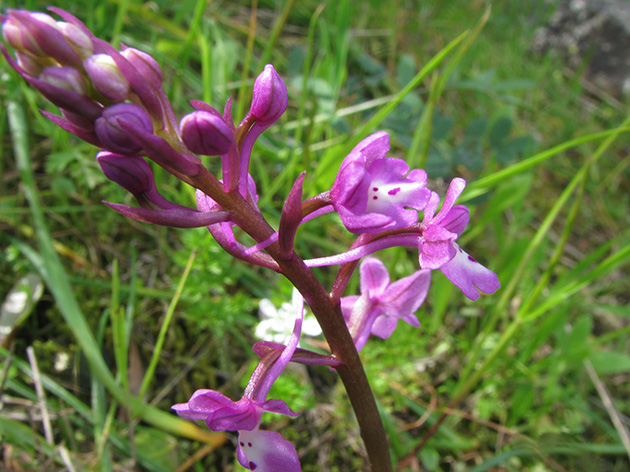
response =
{"points": [[374, 277], [407, 294], [456, 220], [266, 451], [455, 189], [469, 275]]}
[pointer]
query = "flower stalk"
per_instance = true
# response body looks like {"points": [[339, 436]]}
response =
{"points": [[114, 100]]}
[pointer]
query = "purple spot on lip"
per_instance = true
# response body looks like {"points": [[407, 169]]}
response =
{"points": [[249, 444], [470, 258], [374, 197], [375, 189], [252, 466], [394, 191], [242, 444]]}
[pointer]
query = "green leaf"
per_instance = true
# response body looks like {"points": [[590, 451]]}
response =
{"points": [[610, 362], [513, 148], [500, 130], [438, 164], [477, 128], [522, 401], [405, 70], [58, 161], [158, 446], [468, 154], [441, 126], [430, 458]]}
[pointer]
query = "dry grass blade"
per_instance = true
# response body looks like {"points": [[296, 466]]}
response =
{"points": [[609, 404]]}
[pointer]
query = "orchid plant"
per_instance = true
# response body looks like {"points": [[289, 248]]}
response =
{"points": [[113, 98]]}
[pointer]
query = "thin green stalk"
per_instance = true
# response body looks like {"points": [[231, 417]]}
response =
{"points": [[297, 137], [193, 30], [484, 184], [275, 32], [121, 12], [560, 294], [379, 116], [417, 155], [205, 55], [155, 357], [242, 91], [121, 349]]}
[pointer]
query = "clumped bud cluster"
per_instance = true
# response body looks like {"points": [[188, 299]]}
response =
{"points": [[114, 100]]}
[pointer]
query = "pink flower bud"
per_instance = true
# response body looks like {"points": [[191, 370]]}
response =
{"points": [[19, 36], [77, 39], [65, 78], [206, 133], [131, 173], [270, 96], [106, 77], [148, 68], [32, 65], [113, 136]]}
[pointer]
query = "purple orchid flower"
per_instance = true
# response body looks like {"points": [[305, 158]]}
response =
{"points": [[382, 303], [438, 249], [260, 450], [373, 193]]}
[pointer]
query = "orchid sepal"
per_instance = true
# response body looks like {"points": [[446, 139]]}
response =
{"points": [[175, 218]]}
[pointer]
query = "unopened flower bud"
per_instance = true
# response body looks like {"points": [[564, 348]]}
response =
{"points": [[206, 133], [148, 67], [131, 173], [113, 136], [32, 65], [65, 78], [78, 121], [270, 96], [76, 38], [106, 77], [19, 36]]}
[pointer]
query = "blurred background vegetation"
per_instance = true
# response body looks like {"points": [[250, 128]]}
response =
{"points": [[534, 377]]}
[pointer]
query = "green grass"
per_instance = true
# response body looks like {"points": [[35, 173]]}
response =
{"points": [[548, 179]]}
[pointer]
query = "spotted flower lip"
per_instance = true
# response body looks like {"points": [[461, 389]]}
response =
{"points": [[373, 193]]}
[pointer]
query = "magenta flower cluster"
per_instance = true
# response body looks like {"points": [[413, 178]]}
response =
{"points": [[114, 99]]}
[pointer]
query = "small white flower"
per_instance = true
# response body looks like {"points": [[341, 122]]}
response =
{"points": [[276, 325]]}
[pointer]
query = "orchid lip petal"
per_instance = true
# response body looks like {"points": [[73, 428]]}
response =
{"points": [[266, 451], [469, 275]]}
